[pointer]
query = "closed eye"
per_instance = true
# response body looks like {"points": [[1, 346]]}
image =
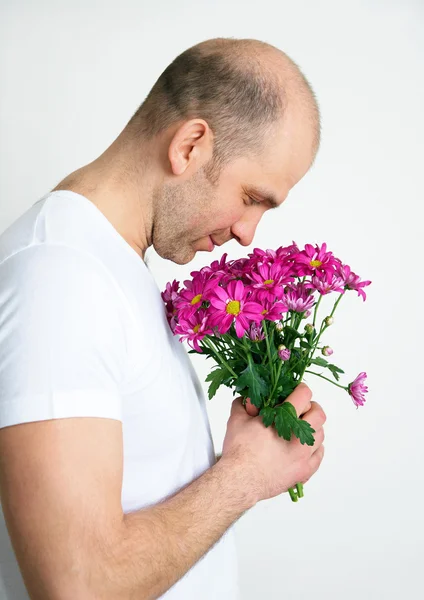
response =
{"points": [[253, 202]]}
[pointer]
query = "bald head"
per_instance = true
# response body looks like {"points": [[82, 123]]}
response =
{"points": [[242, 88]]}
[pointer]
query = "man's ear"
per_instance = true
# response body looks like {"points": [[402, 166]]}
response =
{"points": [[190, 147]]}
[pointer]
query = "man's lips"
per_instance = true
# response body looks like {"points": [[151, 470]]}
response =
{"points": [[214, 242]]}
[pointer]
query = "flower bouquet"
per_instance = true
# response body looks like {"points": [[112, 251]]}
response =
{"points": [[247, 314]]}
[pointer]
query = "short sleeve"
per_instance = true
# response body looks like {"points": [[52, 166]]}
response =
{"points": [[62, 336]]}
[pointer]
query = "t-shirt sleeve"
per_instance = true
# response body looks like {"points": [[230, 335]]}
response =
{"points": [[62, 336]]}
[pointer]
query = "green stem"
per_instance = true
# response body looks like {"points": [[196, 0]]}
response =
{"points": [[335, 304], [268, 348], [293, 494], [322, 329], [316, 308], [322, 377], [275, 384], [220, 359]]}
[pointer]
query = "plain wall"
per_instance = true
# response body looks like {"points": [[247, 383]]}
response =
{"points": [[71, 75]]}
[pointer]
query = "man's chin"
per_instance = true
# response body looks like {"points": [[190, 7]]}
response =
{"points": [[181, 257]]}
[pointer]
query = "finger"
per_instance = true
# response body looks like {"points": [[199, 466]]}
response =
{"points": [[314, 463], [315, 416], [316, 459], [251, 409], [300, 398], [237, 406]]}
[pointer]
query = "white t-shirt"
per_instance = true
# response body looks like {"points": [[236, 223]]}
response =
{"points": [[83, 332]]}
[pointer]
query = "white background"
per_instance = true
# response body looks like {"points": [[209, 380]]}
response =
{"points": [[72, 73]]}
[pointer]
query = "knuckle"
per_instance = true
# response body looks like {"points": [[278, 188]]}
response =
{"points": [[306, 391]]}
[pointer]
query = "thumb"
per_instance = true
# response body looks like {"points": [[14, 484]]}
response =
{"points": [[251, 409]]}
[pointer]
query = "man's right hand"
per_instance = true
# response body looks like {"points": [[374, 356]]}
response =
{"points": [[273, 464]]}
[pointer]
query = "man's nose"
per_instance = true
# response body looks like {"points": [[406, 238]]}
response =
{"points": [[244, 230]]}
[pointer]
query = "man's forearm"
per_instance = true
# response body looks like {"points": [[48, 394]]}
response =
{"points": [[160, 543]]}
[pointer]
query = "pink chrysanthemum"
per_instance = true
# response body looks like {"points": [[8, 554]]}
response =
{"points": [[352, 281], [197, 291], [298, 298], [231, 305], [323, 286], [316, 261], [171, 291], [273, 311], [171, 316], [357, 389], [283, 352], [269, 280], [193, 329], [171, 297], [256, 333], [216, 267]]}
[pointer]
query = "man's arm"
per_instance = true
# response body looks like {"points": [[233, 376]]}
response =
{"points": [[169, 538], [61, 483]]}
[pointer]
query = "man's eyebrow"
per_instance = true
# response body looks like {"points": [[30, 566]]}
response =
{"points": [[264, 194]]}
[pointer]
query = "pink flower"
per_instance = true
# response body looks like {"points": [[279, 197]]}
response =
{"points": [[357, 389], [273, 311], [231, 306], [255, 333], [269, 279], [171, 315], [327, 351], [323, 286], [197, 291], [316, 261], [218, 267], [171, 291], [298, 298], [283, 352], [352, 281], [193, 329], [170, 297]]}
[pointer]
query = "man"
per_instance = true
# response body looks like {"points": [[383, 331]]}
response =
{"points": [[109, 482]]}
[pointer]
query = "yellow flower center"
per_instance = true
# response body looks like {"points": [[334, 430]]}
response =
{"points": [[268, 281], [196, 299], [264, 312], [196, 328], [233, 307], [315, 263]]}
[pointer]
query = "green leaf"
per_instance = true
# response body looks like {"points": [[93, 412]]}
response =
{"points": [[290, 334], [268, 415], [311, 336], [335, 371], [287, 422], [251, 379], [306, 345], [285, 387], [283, 421], [321, 362], [292, 331], [217, 377], [318, 360]]}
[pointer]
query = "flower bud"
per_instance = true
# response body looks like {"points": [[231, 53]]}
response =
{"points": [[329, 321], [327, 351], [283, 352], [279, 326], [307, 314], [309, 328]]}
